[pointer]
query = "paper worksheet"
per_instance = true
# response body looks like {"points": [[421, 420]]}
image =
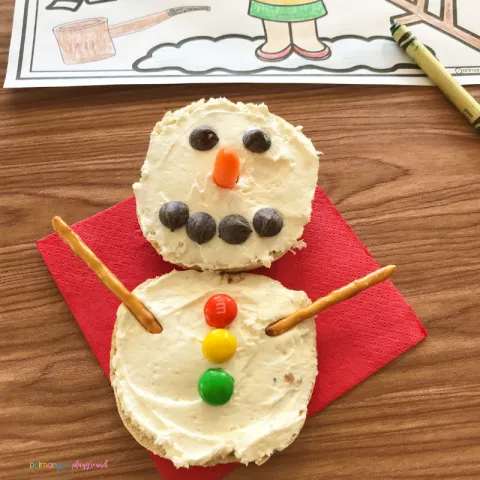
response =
{"points": [[91, 42]]}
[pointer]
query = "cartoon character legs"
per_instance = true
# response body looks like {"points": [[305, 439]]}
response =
{"points": [[290, 25], [278, 43], [306, 41]]}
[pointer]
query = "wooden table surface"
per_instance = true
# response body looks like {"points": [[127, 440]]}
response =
{"points": [[402, 167]]}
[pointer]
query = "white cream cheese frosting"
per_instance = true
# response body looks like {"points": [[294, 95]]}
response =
{"points": [[282, 178], [155, 376]]}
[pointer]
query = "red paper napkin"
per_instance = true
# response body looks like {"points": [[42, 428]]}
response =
{"points": [[354, 339]]}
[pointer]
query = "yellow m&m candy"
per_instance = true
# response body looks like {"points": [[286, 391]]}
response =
{"points": [[219, 346]]}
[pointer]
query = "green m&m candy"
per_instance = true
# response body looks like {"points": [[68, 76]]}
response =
{"points": [[215, 386]]}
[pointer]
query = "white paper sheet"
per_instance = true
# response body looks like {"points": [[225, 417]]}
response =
{"points": [[152, 41]]}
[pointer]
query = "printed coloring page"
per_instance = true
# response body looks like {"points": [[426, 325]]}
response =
{"points": [[92, 42]]}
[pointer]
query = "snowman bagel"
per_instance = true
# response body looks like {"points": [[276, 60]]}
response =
{"points": [[211, 366], [226, 186]]}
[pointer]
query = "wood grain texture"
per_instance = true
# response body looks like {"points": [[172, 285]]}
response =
{"points": [[403, 168]]}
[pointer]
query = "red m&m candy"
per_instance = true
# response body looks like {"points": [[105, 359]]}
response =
{"points": [[220, 310]]}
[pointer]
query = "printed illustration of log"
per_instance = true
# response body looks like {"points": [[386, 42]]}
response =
{"points": [[91, 39]]}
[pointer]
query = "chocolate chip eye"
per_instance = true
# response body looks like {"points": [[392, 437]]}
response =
{"points": [[201, 227], [203, 139], [267, 222], [174, 215], [234, 229], [256, 140]]}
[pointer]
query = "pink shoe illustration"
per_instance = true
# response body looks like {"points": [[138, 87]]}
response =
{"points": [[318, 55], [275, 56]]}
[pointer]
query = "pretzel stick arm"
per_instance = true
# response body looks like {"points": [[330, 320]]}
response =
{"points": [[136, 307], [344, 293]]}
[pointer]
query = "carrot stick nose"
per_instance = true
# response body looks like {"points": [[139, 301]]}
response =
{"points": [[227, 168]]}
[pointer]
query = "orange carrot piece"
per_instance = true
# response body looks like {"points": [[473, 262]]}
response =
{"points": [[227, 168]]}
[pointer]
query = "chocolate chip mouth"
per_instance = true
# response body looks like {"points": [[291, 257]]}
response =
{"points": [[267, 222], [174, 215], [201, 227], [233, 229]]}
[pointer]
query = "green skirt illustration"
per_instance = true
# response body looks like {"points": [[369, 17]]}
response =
{"points": [[290, 26]]}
